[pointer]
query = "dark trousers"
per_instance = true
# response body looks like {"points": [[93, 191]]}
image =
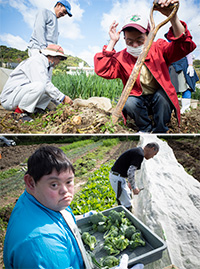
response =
{"points": [[138, 108]]}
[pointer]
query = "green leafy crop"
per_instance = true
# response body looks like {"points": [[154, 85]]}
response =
{"points": [[97, 194], [136, 240], [89, 240], [110, 261]]}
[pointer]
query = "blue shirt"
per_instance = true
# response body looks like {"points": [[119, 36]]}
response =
{"points": [[38, 237], [182, 65]]}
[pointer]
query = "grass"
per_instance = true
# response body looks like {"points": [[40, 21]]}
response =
{"points": [[8, 173], [83, 86], [196, 94]]}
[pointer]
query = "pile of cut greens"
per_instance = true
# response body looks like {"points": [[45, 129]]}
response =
{"points": [[119, 234]]}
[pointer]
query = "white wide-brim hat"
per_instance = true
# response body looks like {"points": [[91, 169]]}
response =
{"points": [[54, 50]]}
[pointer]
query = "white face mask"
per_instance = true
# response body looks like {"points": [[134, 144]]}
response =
{"points": [[135, 52]]}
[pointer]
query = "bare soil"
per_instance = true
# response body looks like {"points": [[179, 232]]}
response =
{"points": [[89, 120], [186, 150]]}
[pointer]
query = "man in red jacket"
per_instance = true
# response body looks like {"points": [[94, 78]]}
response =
{"points": [[153, 91]]}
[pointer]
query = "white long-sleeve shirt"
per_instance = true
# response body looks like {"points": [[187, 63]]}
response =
{"points": [[33, 69], [45, 30]]}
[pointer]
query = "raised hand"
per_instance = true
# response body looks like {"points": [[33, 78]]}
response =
{"points": [[113, 33]]}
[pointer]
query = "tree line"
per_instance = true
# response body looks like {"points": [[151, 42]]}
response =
{"points": [[12, 55]]}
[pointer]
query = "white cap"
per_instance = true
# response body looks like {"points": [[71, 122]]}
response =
{"points": [[137, 21]]}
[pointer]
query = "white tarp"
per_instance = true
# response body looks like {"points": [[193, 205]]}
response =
{"points": [[170, 206]]}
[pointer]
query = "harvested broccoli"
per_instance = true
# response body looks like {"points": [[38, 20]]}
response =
{"points": [[99, 222], [136, 240], [126, 221], [98, 218], [89, 240], [101, 227], [130, 231], [112, 232], [116, 217], [109, 246], [121, 242], [110, 261], [119, 233], [113, 245], [110, 249]]}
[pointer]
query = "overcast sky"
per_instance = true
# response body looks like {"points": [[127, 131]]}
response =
{"points": [[86, 32]]}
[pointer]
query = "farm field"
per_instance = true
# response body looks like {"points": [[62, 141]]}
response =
{"points": [[90, 119], [93, 121], [92, 159]]}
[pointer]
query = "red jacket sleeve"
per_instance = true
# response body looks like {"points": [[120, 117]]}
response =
{"points": [[106, 65], [179, 47]]}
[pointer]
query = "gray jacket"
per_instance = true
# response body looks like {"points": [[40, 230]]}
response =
{"points": [[45, 30]]}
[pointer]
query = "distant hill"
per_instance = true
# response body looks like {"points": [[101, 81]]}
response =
{"points": [[11, 55]]}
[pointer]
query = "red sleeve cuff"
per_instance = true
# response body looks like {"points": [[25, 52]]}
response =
{"points": [[170, 34], [108, 53]]}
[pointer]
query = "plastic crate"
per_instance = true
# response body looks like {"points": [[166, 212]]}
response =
{"points": [[151, 252]]}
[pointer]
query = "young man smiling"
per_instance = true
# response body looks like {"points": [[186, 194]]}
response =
{"points": [[153, 92]]}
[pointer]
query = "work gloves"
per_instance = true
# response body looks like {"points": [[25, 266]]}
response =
{"points": [[190, 70], [124, 263]]}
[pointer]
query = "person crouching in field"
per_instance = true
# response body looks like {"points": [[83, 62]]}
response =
{"points": [[153, 93], [29, 88]]}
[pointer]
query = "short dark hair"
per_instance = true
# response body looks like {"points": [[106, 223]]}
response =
{"points": [[45, 159], [153, 145]]}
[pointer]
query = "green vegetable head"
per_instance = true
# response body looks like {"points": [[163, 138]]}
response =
{"points": [[98, 217], [110, 261], [130, 231], [101, 228], [89, 240], [115, 217], [136, 240]]}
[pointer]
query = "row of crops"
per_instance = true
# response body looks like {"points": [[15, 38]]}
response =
{"points": [[88, 152], [97, 194], [83, 86]]}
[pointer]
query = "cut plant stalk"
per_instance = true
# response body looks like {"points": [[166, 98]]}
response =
{"points": [[138, 65]]}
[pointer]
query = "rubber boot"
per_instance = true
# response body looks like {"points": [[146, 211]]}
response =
{"points": [[185, 105]]}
